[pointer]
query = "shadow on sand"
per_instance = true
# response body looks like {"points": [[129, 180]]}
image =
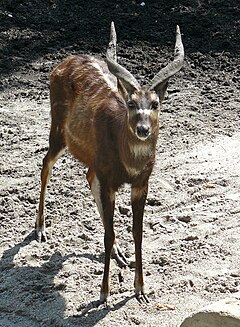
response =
{"points": [[30, 295]]}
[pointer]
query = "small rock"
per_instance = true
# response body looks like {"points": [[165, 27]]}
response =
{"points": [[191, 238], [184, 219], [135, 320], [153, 202], [120, 277], [98, 271], [124, 210]]}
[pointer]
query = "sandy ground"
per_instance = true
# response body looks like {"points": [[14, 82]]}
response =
{"points": [[192, 217]]}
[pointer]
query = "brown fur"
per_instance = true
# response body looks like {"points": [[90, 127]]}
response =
{"points": [[91, 118]]}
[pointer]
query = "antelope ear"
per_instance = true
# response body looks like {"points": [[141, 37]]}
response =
{"points": [[122, 90], [161, 90]]}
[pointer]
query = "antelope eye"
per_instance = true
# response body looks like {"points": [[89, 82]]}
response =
{"points": [[131, 104], [154, 105]]}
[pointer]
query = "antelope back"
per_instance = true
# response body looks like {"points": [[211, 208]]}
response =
{"points": [[84, 78], [80, 87]]}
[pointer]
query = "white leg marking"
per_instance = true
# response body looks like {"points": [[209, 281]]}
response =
{"points": [[96, 192]]}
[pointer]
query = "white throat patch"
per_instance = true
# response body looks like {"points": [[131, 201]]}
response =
{"points": [[140, 150]]}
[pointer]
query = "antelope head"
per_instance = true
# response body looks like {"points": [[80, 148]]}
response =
{"points": [[143, 103]]}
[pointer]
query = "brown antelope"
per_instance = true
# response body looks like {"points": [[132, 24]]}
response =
{"points": [[109, 123]]}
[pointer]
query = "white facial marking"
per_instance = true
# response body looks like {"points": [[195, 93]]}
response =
{"points": [[145, 112], [142, 138]]}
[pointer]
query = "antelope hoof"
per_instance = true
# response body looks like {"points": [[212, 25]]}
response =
{"points": [[103, 299], [141, 297], [40, 235], [119, 256], [99, 304]]}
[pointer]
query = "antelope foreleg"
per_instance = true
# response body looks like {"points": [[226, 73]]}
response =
{"points": [[138, 198]]}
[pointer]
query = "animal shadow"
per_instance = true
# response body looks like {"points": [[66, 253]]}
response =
{"points": [[30, 298]]}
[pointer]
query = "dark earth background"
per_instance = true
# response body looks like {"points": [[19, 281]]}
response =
{"points": [[192, 219]]}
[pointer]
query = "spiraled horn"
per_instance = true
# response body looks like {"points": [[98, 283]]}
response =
{"points": [[126, 78], [173, 67], [112, 46]]}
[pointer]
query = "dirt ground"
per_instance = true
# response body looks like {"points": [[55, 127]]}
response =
{"points": [[192, 219]]}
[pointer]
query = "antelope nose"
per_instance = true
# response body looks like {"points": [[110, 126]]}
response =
{"points": [[143, 131]]}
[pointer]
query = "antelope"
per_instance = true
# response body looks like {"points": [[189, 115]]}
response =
{"points": [[110, 124]]}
